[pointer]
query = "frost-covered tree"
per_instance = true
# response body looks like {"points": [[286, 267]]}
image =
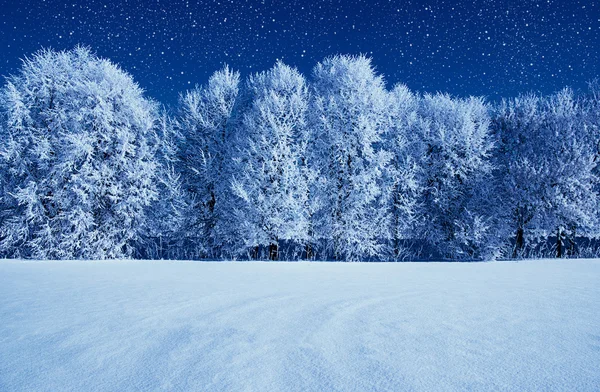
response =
{"points": [[517, 123], [590, 103], [208, 124], [348, 120], [548, 159], [271, 181], [6, 207], [456, 169], [78, 158], [403, 186], [571, 198], [167, 232]]}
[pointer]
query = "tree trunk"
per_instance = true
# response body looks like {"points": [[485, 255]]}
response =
{"points": [[254, 253], [274, 251], [396, 224], [160, 247], [558, 243], [572, 249], [309, 251], [519, 241], [210, 225]]}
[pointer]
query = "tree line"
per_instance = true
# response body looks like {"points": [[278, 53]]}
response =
{"points": [[282, 167]]}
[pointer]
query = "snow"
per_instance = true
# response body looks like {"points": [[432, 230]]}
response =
{"points": [[180, 326]]}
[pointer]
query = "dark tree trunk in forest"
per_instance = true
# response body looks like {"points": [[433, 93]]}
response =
{"points": [[254, 253], [210, 225], [274, 251], [308, 248], [572, 248], [558, 243], [519, 240], [309, 251], [396, 224]]}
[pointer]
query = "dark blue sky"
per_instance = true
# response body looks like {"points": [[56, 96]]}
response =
{"points": [[491, 48]]}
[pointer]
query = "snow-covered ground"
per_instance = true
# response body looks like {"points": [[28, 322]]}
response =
{"points": [[192, 326]]}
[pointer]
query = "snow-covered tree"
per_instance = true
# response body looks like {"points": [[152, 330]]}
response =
{"points": [[271, 181], [548, 159], [208, 124], [167, 232], [456, 169], [591, 107], [517, 123], [571, 197], [403, 187], [77, 157], [348, 120]]}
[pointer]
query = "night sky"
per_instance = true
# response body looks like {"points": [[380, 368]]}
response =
{"points": [[490, 48]]}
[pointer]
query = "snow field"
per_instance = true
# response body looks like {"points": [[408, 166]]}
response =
{"points": [[197, 326]]}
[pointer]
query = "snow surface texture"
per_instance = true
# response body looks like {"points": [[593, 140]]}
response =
{"points": [[185, 326]]}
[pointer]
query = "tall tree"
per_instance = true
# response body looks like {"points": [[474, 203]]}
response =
{"points": [[167, 231], [516, 125], [207, 126], [548, 158], [78, 158], [456, 167], [348, 121], [570, 195], [403, 178], [271, 181]]}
